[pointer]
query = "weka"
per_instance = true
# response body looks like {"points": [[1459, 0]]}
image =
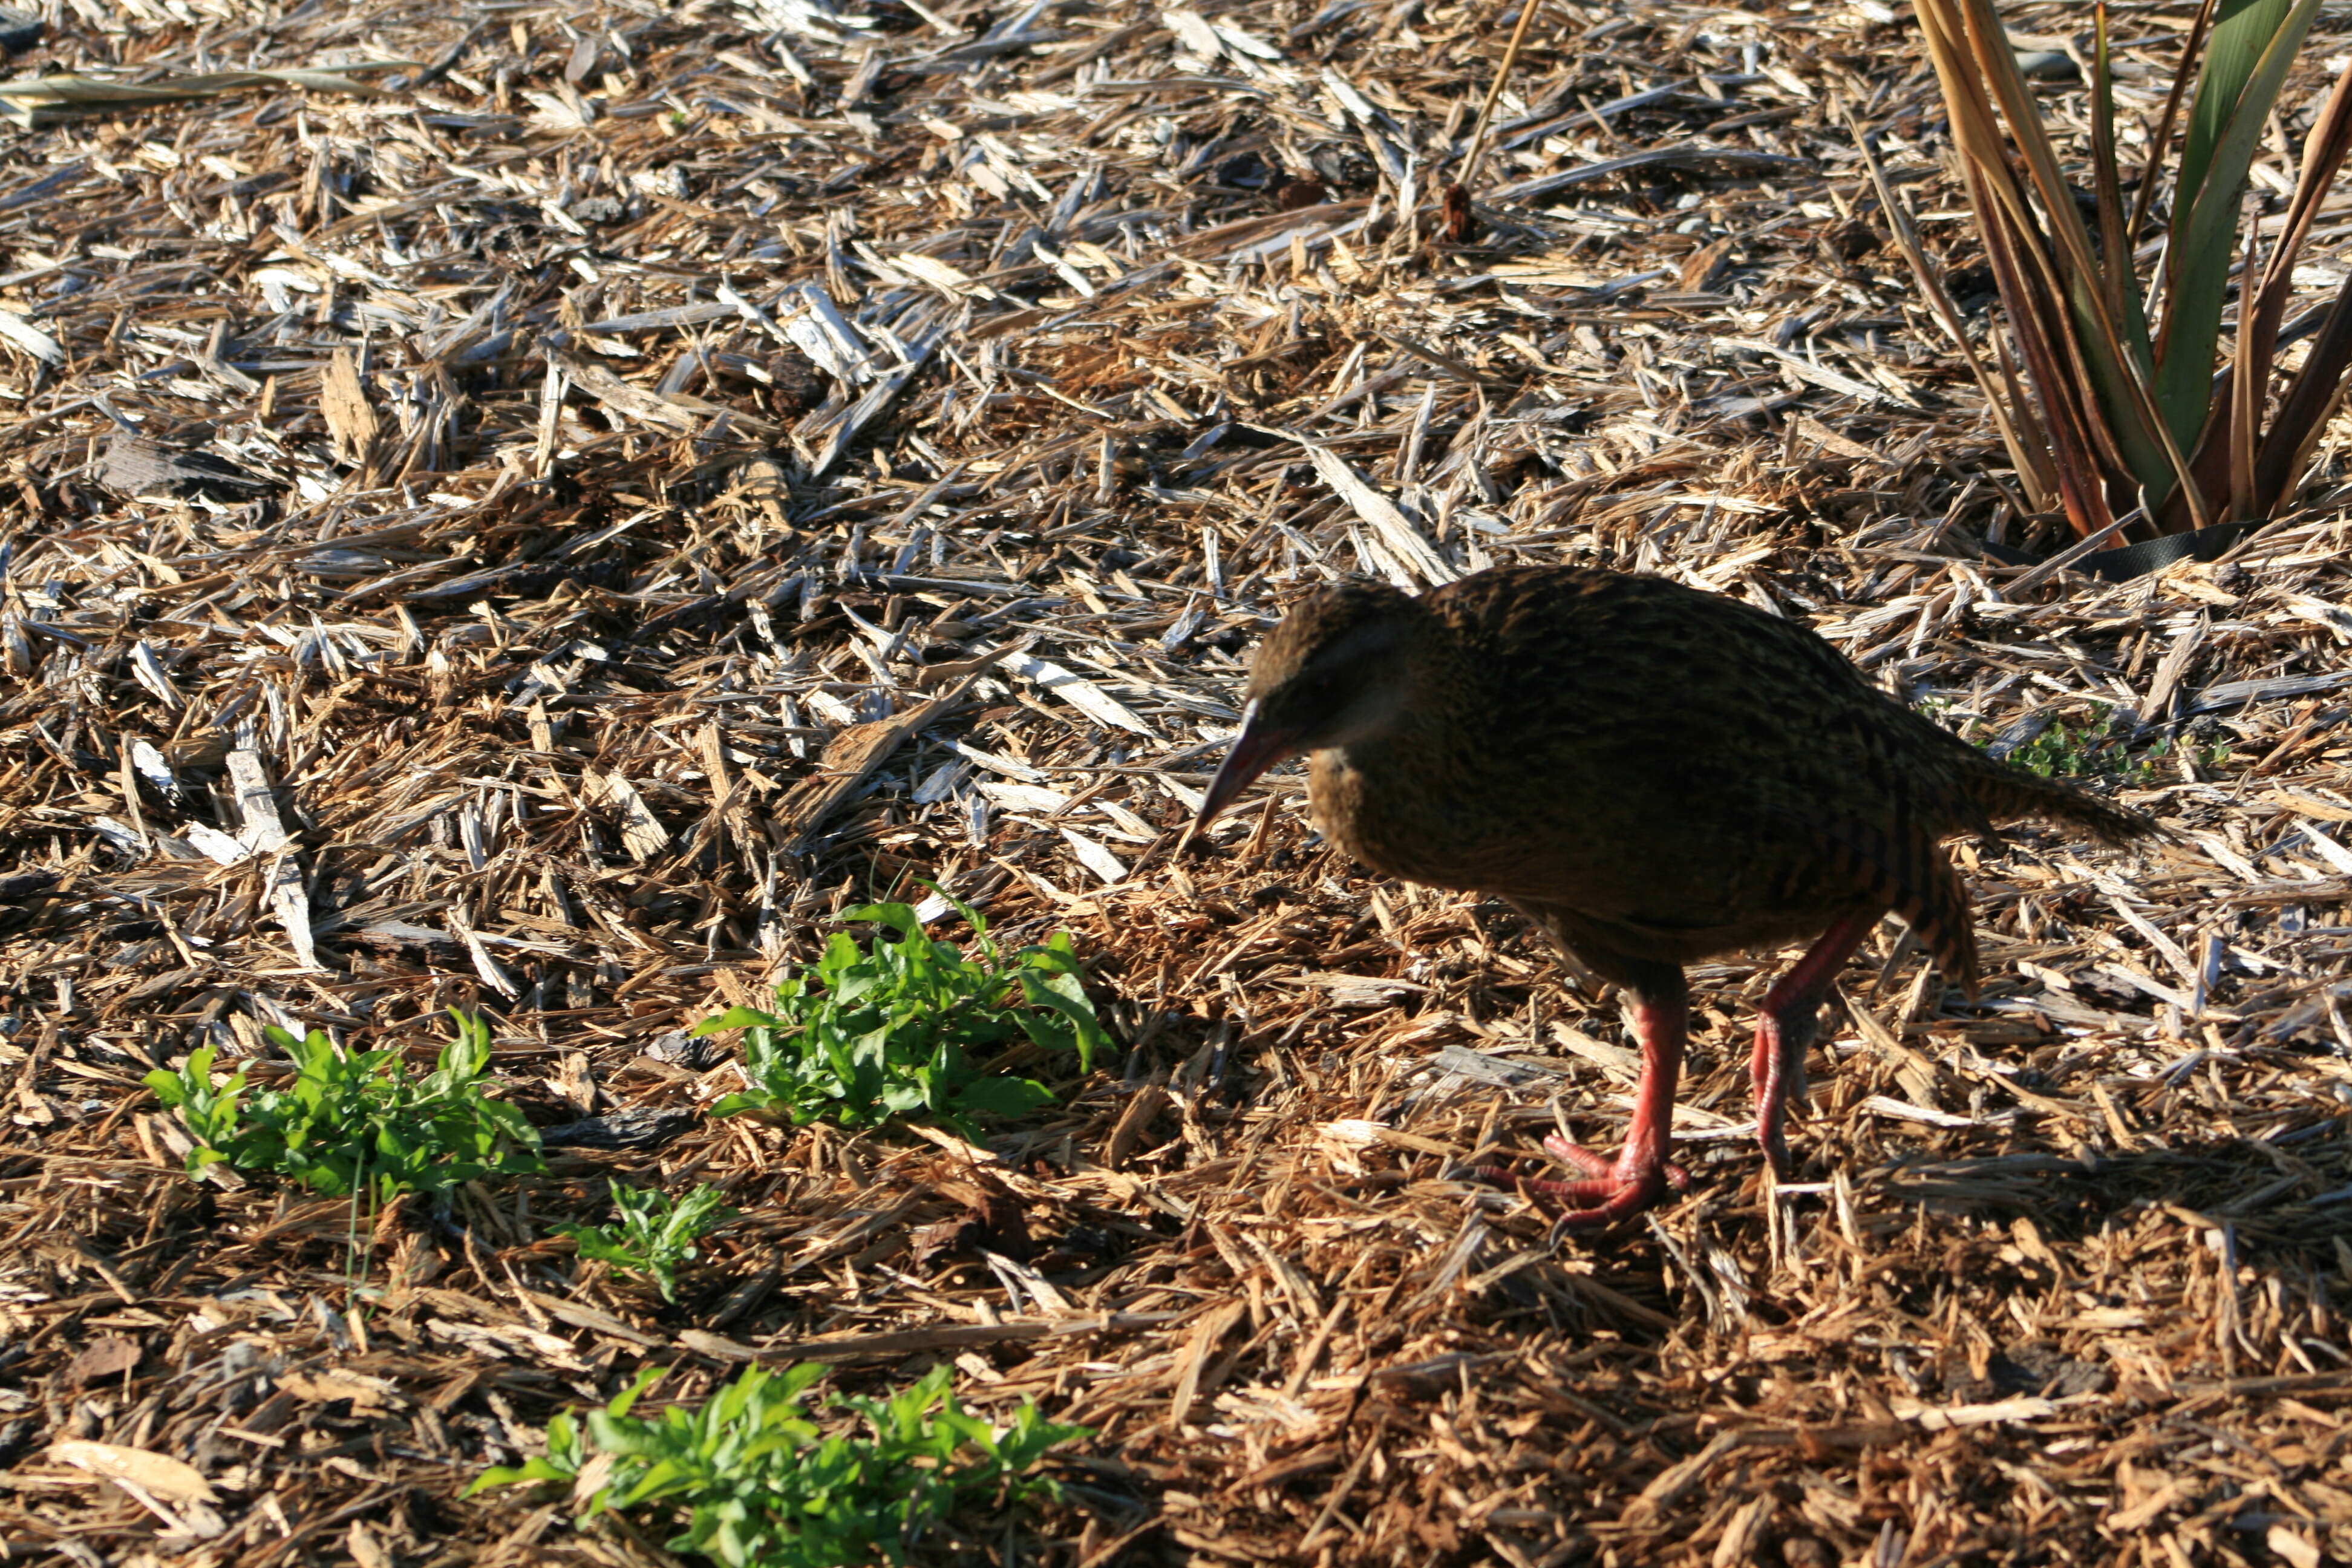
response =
{"points": [[1653, 776]]}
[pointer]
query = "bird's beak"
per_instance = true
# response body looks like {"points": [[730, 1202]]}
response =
{"points": [[1258, 748]]}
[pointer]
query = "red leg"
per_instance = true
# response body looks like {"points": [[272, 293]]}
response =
{"points": [[1616, 1190], [1785, 1026]]}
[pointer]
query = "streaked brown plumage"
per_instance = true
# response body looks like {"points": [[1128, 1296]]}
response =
{"points": [[1654, 776]]}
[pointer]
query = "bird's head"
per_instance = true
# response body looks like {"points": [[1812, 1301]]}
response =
{"points": [[1338, 669]]}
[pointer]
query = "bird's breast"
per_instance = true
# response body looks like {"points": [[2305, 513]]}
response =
{"points": [[1409, 822]]}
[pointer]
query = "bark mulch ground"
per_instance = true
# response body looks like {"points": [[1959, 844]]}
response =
{"points": [[531, 536]]}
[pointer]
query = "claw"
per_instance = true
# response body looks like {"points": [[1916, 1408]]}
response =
{"points": [[1612, 1192], [1595, 1163]]}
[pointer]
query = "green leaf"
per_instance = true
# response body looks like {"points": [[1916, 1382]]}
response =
{"points": [[971, 917], [2241, 31], [594, 1243], [534, 1469], [758, 1100], [627, 1401], [1006, 1097], [899, 918], [1063, 994], [736, 1018], [2255, 45]]}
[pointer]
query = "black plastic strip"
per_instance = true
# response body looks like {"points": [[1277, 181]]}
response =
{"points": [[2139, 560]]}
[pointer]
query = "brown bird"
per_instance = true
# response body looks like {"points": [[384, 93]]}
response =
{"points": [[1652, 775]]}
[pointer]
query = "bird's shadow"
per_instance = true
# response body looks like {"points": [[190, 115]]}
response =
{"points": [[2234, 1186]]}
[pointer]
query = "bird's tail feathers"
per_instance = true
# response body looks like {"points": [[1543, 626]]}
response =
{"points": [[2005, 793]]}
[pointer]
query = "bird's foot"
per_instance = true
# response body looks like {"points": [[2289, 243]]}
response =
{"points": [[1614, 1190]]}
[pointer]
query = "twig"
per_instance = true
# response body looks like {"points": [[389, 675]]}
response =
{"points": [[1473, 154]]}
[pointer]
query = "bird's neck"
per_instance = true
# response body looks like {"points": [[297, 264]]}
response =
{"points": [[1391, 797]]}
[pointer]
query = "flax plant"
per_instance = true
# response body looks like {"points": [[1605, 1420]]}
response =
{"points": [[2126, 397]]}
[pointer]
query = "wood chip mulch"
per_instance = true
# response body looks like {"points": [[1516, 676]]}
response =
{"points": [[547, 534]]}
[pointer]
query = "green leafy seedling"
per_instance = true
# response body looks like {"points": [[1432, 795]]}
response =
{"points": [[652, 1233], [749, 1480], [2095, 746], [869, 1033], [208, 1111], [349, 1120], [2064, 751]]}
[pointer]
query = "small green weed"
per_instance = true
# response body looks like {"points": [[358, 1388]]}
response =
{"points": [[352, 1120], [890, 1031], [653, 1232], [754, 1483], [2076, 750], [2212, 756], [2096, 747]]}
